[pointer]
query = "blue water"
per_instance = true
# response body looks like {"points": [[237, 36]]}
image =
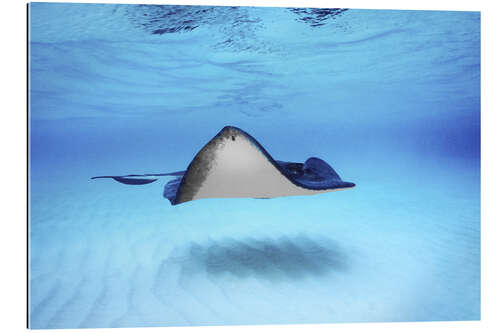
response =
{"points": [[391, 99]]}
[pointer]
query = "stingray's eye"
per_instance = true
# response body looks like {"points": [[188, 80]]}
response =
{"points": [[232, 137]]}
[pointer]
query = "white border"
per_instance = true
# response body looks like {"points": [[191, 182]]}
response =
{"points": [[13, 163]]}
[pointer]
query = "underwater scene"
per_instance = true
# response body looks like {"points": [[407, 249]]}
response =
{"points": [[388, 100]]}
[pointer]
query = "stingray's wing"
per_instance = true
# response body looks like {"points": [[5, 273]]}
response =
{"points": [[318, 174], [170, 190], [314, 174], [142, 179]]}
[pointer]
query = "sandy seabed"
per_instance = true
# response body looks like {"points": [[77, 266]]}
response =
{"points": [[107, 255]]}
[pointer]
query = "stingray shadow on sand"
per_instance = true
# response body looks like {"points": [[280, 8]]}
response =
{"points": [[284, 258]]}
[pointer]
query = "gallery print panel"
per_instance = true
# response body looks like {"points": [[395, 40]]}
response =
{"points": [[215, 165]]}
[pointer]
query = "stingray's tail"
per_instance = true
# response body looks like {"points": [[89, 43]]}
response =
{"points": [[141, 179]]}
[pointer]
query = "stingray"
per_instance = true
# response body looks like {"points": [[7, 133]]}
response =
{"points": [[235, 165]]}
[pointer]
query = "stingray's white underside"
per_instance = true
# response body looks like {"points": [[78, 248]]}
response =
{"points": [[240, 169]]}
